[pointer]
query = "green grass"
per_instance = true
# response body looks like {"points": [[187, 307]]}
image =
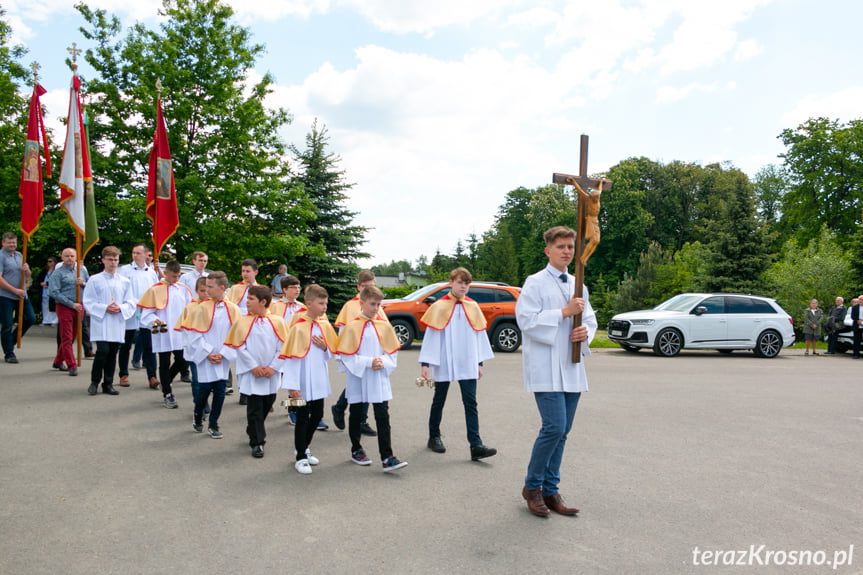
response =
{"points": [[601, 340]]}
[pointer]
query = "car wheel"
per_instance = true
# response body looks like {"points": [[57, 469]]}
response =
{"points": [[725, 351], [630, 348], [506, 337], [768, 345], [404, 331], [668, 342]]}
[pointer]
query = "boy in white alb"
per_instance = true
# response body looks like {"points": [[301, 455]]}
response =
{"points": [[454, 347], [161, 307], [310, 345], [368, 348], [239, 292], [199, 289], [254, 343], [206, 329], [108, 299]]}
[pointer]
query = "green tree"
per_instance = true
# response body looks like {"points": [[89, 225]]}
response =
{"points": [[496, 260], [13, 127], [337, 239], [824, 162], [233, 185]]}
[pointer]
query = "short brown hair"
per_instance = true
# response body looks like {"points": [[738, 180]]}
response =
{"points": [[552, 235], [250, 263], [221, 278], [262, 293], [371, 293], [201, 281], [365, 276], [108, 251], [196, 255], [462, 274], [173, 266], [315, 291], [10, 236], [289, 281]]}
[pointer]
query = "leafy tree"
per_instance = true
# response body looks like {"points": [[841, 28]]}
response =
{"points": [[393, 268], [337, 239], [13, 127], [233, 186], [496, 259], [824, 162], [819, 269]]}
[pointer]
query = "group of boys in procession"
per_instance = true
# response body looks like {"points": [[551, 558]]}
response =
{"points": [[197, 320]]}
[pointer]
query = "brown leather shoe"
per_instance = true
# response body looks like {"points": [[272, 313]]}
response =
{"points": [[555, 502], [154, 383], [124, 381], [535, 502]]}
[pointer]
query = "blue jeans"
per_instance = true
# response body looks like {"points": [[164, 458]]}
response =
{"points": [[557, 410], [202, 393], [468, 398], [144, 350], [8, 335]]}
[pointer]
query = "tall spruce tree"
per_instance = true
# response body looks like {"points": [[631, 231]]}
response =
{"points": [[335, 238]]}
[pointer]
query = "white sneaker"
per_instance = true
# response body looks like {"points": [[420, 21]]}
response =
{"points": [[303, 467], [312, 459]]}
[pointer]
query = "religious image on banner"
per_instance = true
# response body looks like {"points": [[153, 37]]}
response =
{"points": [[31, 161], [163, 179]]}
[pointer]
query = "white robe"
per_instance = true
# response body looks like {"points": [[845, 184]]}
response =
{"points": [[547, 352], [199, 345], [141, 279], [102, 290], [261, 349], [455, 352], [179, 297], [309, 375], [190, 279], [362, 383]]}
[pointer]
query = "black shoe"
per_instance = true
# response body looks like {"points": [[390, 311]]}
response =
{"points": [[186, 379], [11, 359], [244, 399], [109, 389], [366, 429], [338, 417], [93, 389], [478, 452], [73, 372], [436, 445], [258, 451], [229, 391], [60, 366]]}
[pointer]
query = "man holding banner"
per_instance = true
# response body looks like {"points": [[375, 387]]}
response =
{"points": [[12, 265]]}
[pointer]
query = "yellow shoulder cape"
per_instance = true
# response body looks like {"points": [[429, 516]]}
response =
{"points": [[438, 315], [237, 291], [278, 308], [300, 336], [200, 318], [243, 326], [186, 314], [156, 296], [352, 336]]}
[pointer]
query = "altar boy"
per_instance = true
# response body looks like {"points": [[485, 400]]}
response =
{"points": [[454, 347], [368, 348], [254, 343], [310, 345]]}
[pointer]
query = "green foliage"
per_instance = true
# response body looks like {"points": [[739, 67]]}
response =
{"points": [[819, 269], [234, 192], [393, 268], [398, 292], [13, 127]]}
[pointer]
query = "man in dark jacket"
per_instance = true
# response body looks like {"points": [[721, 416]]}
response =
{"points": [[835, 324]]}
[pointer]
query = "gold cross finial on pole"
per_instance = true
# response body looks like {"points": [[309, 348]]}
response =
{"points": [[158, 86], [74, 50], [35, 67]]}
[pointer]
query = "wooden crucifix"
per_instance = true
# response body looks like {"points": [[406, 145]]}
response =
{"points": [[589, 190]]}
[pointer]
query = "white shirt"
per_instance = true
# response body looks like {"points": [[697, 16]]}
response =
{"points": [[455, 352], [141, 279], [199, 345], [261, 349], [103, 289], [190, 278], [309, 375], [178, 297], [362, 383], [546, 356]]}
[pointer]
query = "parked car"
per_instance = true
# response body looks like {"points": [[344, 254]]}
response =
{"points": [[725, 322], [496, 300]]}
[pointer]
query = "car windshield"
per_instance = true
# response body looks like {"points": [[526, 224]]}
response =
{"points": [[682, 302], [422, 292]]}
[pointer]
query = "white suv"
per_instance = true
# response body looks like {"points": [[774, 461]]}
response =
{"points": [[706, 321]]}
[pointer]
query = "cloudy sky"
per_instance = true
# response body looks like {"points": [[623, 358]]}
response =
{"points": [[439, 108]]}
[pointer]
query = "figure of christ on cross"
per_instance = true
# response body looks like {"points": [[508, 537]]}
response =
{"points": [[587, 227]]}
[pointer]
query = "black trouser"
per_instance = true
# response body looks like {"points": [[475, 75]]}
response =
{"points": [[104, 363], [257, 410], [342, 405], [857, 336], [125, 348], [167, 370], [308, 417], [382, 419]]}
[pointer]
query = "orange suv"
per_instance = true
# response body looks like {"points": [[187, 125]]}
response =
{"points": [[496, 300]]}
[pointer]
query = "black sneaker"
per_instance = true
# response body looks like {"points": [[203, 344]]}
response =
{"points": [[480, 451], [366, 429], [11, 359], [436, 445], [198, 427], [338, 417], [214, 433]]}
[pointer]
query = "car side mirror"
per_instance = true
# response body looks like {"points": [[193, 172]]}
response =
{"points": [[430, 300], [700, 310]]}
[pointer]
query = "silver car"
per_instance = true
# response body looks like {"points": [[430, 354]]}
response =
{"points": [[725, 322]]}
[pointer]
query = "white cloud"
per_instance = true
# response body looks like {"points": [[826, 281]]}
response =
{"points": [[747, 49], [403, 17], [534, 18], [669, 94], [844, 105]]}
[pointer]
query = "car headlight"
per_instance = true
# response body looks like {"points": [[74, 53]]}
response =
{"points": [[641, 322]]}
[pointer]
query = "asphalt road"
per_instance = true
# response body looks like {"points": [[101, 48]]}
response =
{"points": [[706, 451]]}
